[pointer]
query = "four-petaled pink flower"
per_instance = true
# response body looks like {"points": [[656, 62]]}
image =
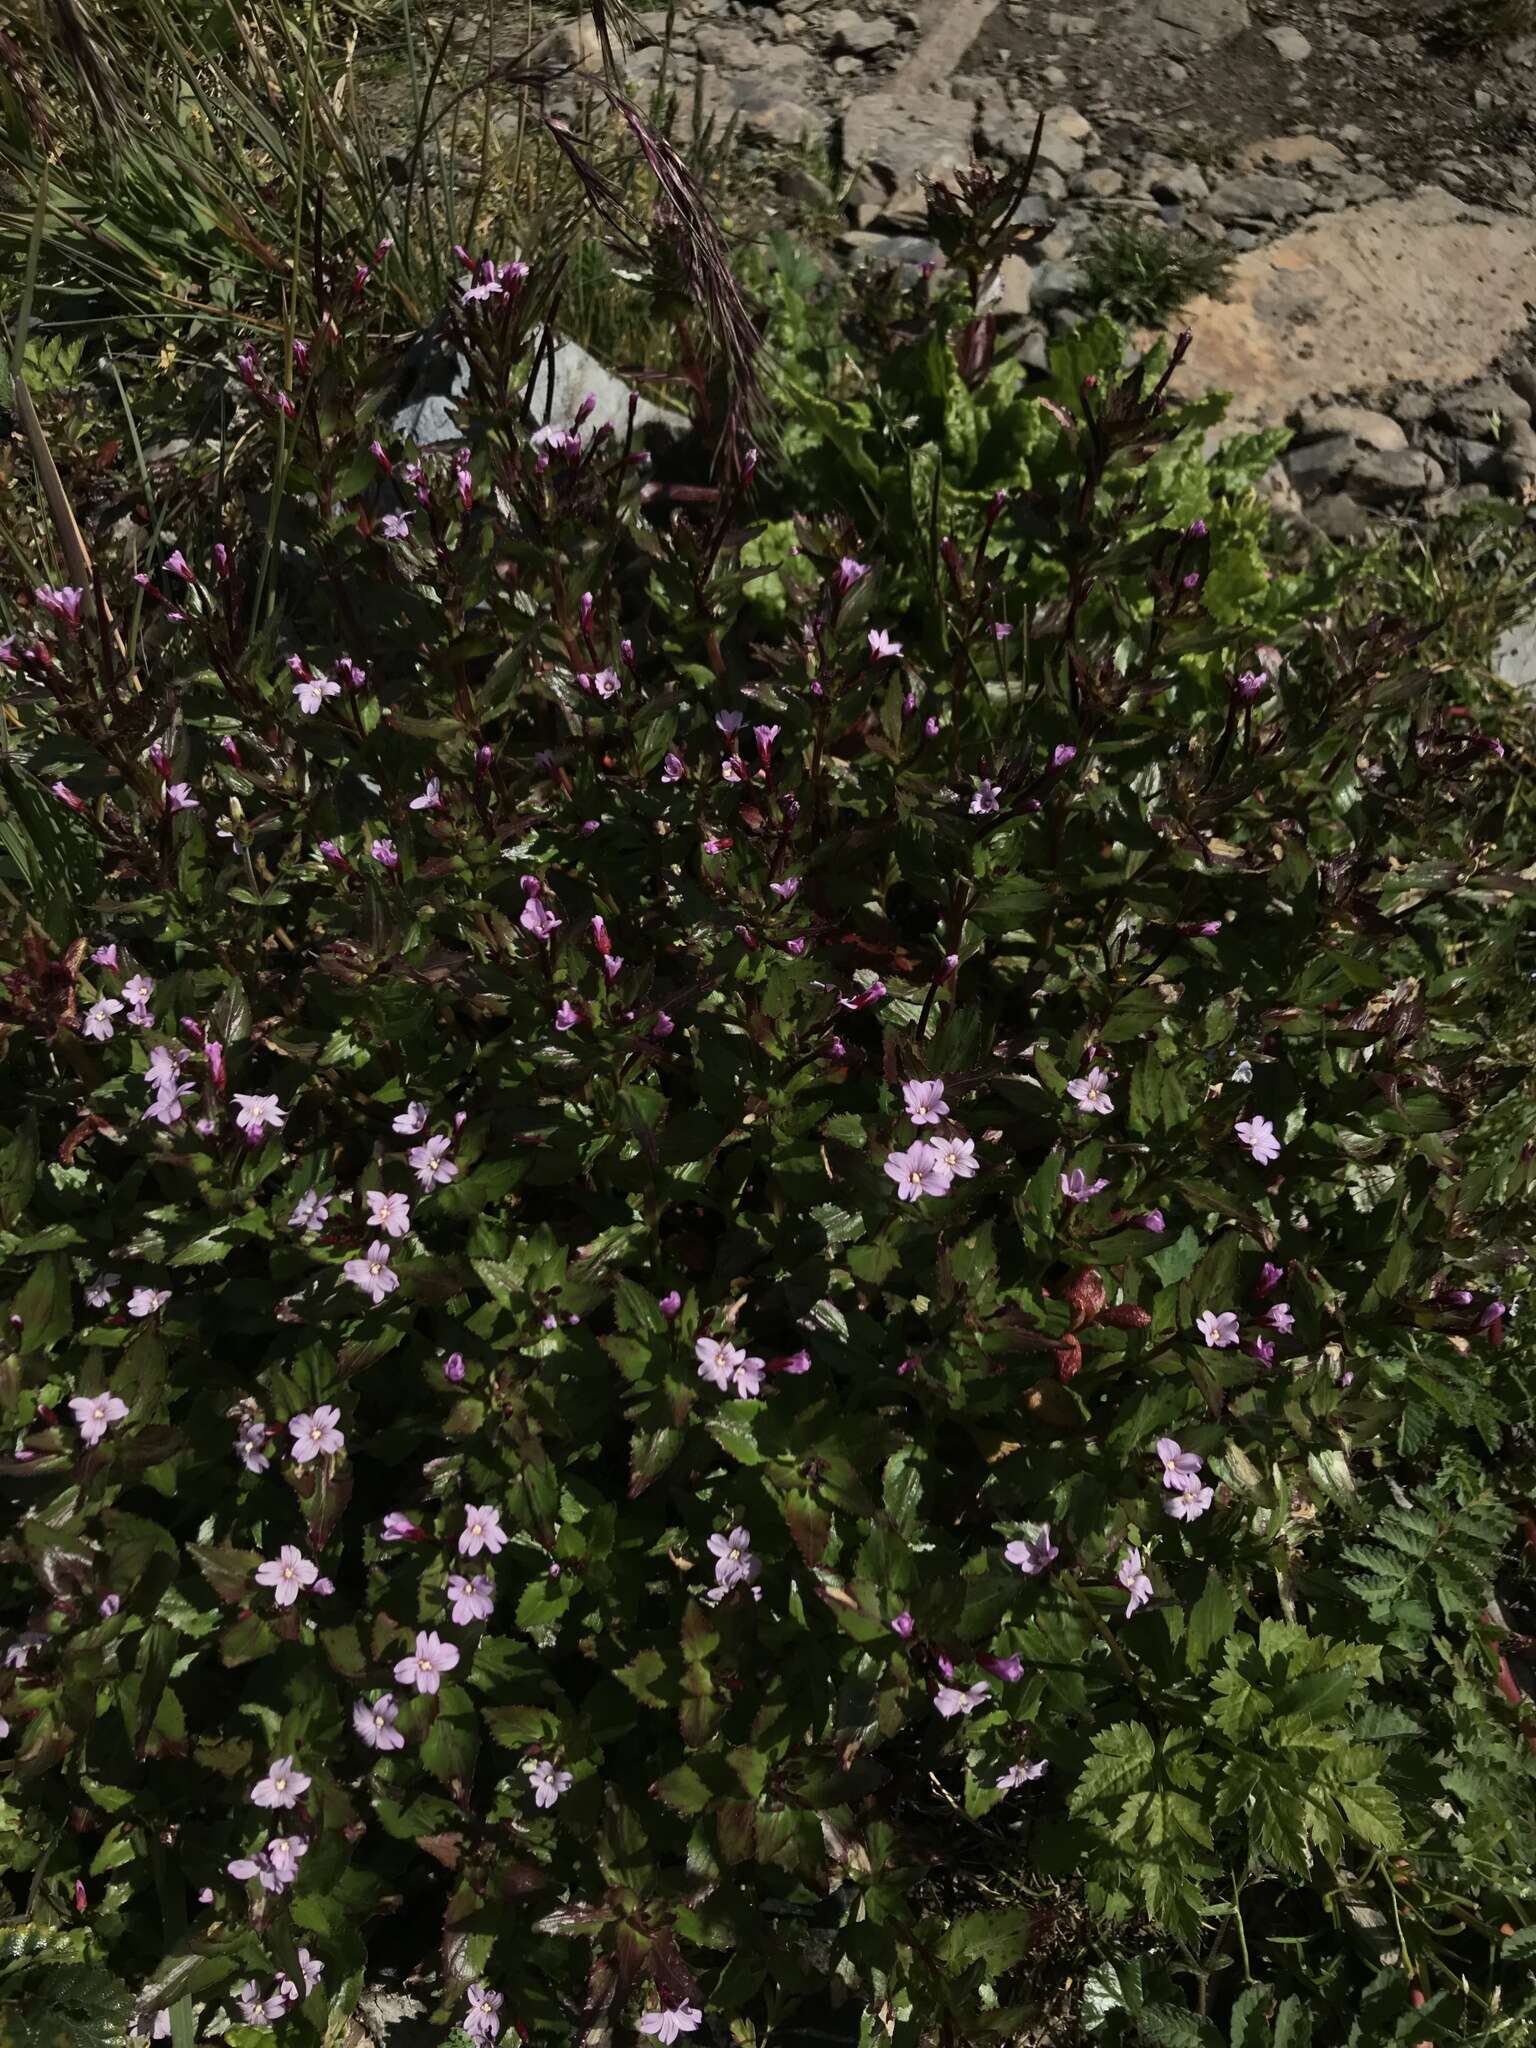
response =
{"points": [[256, 1113], [434, 1169], [287, 1574], [918, 1171], [1135, 1582], [548, 1783], [389, 1213], [1077, 1187], [1189, 1503], [482, 1531], [1278, 1316], [412, 1118], [251, 1445], [953, 1699], [375, 1724], [1033, 1554], [984, 802], [734, 1563], [386, 854], [277, 1865], [95, 1414], [470, 1599], [284, 1784], [431, 798], [1220, 1331], [316, 1436], [671, 2020], [1091, 1094], [179, 797], [148, 1301], [724, 1364], [425, 1666], [924, 1101], [1022, 1774], [310, 1211], [373, 1274], [881, 646], [537, 917], [1258, 1134]]}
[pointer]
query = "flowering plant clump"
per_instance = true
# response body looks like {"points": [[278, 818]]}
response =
{"points": [[736, 1283]]}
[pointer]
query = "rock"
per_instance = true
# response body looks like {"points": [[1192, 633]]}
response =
{"points": [[578, 376], [1394, 473], [1010, 290], [1070, 24], [1370, 429], [1102, 182], [1065, 140], [1172, 182], [1260, 195], [573, 46], [1289, 43], [1340, 517], [1402, 291], [1184, 26], [1478, 463], [1293, 152], [1473, 411], [1514, 654], [769, 114], [1056, 283], [854, 36], [1323, 464], [905, 254], [904, 140]]}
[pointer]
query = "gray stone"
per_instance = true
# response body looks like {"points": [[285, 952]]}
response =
{"points": [[578, 376], [907, 255], [1173, 182], [1289, 43], [1340, 517], [1322, 464], [1102, 182], [1394, 473], [1261, 195], [904, 140], [1056, 283], [854, 36], [1474, 410], [1514, 654], [1370, 429], [1010, 289], [1070, 24], [1186, 25], [772, 116], [1478, 463]]}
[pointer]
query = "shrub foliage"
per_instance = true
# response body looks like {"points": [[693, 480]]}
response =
{"points": [[757, 1236]]}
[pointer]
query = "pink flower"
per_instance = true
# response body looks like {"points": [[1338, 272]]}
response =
{"points": [[673, 768], [1033, 1554], [882, 647], [670, 1303], [389, 1213], [955, 1153], [903, 1624], [105, 956], [316, 1436], [670, 2021], [925, 1101], [547, 1782], [385, 853], [398, 1528], [537, 916], [396, 525], [312, 691], [148, 1301], [251, 1445], [1218, 1330], [1278, 1316], [284, 1784], [94, 1415], [431, 798], [1077, 1187], [428, 1663], [109, 1604], [287, 1574], [567, 1017], [373, 1274], [97, 1022], [1270, 1276], [255, 2009], [61, 790], [434, 1169], [472, 1599], [734, 1563], [179, 797], [310, 1211], [1022, 1774], [848, 573], [412, 1118], [951, 1699], [1091, 1094], [1258, 1134], [1189, 1504], [1135, 1582], [64, 603], [918, 1171], [1181, 1468], [984, 803], [99, 1292], [375, 1724], [1155, 1221], [482, 2022], [482, 1531], [723, 1364], [256, 1112]]}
